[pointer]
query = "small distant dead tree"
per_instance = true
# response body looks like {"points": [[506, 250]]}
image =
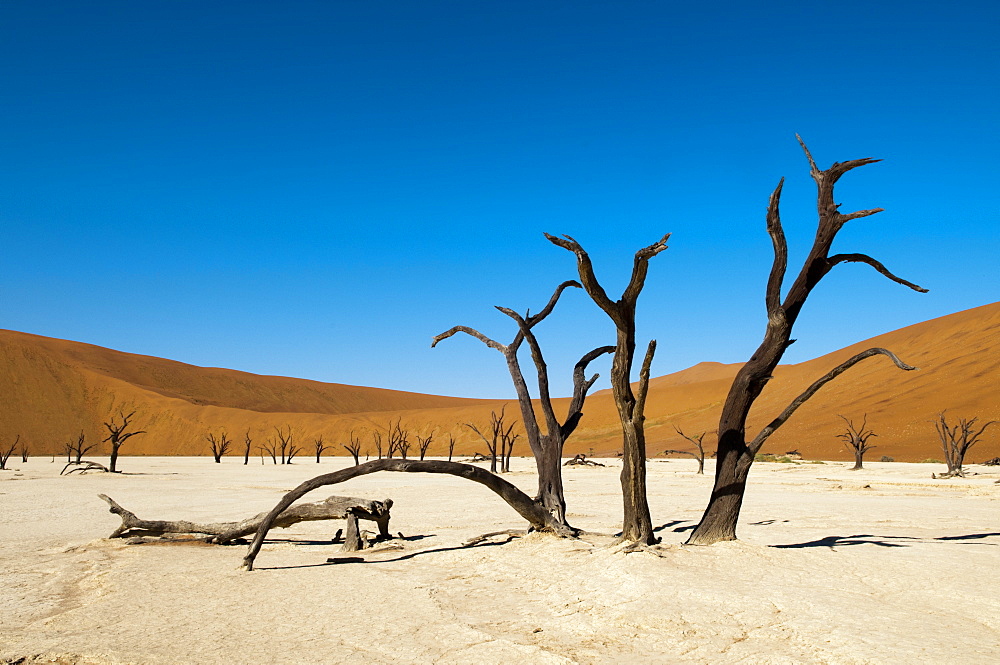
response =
{"points": [[581, 460], [507, 449], [377, 440], [270, 446], [24, 452], [354, 448], [637, 526], [282, 445], [735, 452], [697, 441], [497, 434], [220, 445], [856, 440], [423, 443], [956, 441], [117, 434], [319, 446], [399, 440], [247, 442], [451, 446], [5, 453], [76, 450]]}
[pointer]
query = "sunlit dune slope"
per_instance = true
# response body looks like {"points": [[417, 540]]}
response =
{"points": [[52, 389]]}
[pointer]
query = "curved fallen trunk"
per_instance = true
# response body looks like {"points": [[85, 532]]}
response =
{"points": [[537, 516], [335, 507]]}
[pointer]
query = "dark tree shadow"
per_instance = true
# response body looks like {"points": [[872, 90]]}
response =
{"points": [[403, 557], [842, 541]]}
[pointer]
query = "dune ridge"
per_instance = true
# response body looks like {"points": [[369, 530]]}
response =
{"points": [[52, 389]]}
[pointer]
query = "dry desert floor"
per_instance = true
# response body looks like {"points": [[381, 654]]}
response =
{"points": [[884, 565]]}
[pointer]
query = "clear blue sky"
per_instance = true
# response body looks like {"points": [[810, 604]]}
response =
{"points": [[315, 189]]}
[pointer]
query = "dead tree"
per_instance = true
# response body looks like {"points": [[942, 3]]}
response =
{"points": [[637, 525], [319, 446], [451, 446], [335, 507], [117, 434], [735, 453], [285, 444], [5, 453], [499, 431], [354, 447], [507, 449], [220, 445], [581, 460], [247, 442], [537, 516], [75, 451], [399, 440], [856, 440], [697, 441], [423, 443], [377, 439], [546, 448], [956, 441], [24, 452], [271, 448], [83, 467]]}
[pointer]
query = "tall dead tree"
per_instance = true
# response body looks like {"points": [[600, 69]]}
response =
{"points": [[319, 446], [547, 447], [856, 440], [451, 446], [956, 441], [536, 515], [636, 523], [377, 440], [697, 441], [735, 453], [5, 453], [219, 444], [117, 434]]}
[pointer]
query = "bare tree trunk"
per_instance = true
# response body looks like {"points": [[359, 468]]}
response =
{"points": [[735, 455], [636, 523], [537, 517]]}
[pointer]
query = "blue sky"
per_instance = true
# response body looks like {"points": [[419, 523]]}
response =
{"points": [[315, 189]]}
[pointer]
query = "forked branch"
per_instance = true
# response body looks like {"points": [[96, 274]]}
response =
{"points": [[756, 444]]}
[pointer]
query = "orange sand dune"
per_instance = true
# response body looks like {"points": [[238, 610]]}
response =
{"points": [[52, 389]]}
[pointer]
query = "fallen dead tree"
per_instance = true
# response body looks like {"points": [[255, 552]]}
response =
{"points": [[530, 509], [333, 508], [581, 460], [84, 466]]}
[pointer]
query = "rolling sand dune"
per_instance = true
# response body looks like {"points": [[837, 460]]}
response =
{"points": [[51, 389]]}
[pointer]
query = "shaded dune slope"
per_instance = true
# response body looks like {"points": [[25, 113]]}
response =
{"points": [[52, 389]]}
